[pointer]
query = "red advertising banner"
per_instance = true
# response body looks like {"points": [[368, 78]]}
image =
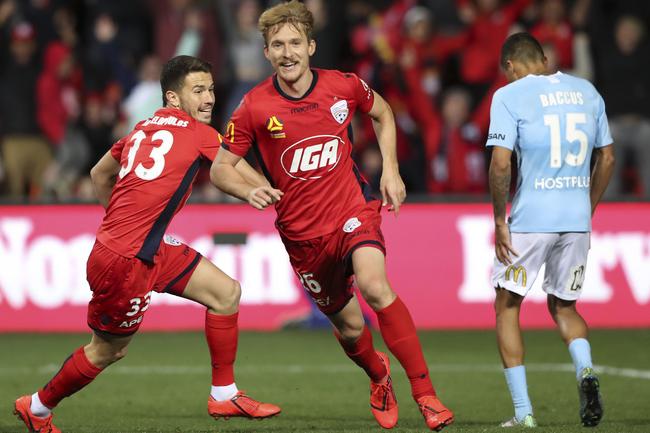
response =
{"points": [[439, 260]]}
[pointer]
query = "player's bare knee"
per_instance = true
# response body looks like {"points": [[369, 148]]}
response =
{"points": [[233, 295], [506, 300], [376, 291], [118, 354], [226, 298], [558, 307], [351, 331]]}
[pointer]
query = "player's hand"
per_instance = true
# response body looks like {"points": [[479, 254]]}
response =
{"points": [[392, 189], [502, 246], [263, 196]]}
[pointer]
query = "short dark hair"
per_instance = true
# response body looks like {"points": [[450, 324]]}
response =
{"points": [[176, 69], [522, 47]]}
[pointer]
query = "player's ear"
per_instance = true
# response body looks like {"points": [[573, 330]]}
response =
{"points": [[266, 52], [509, 71], [172, 99], [312, 47]]}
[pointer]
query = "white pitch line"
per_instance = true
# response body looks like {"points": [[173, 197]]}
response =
{"points": [[291, 369]]}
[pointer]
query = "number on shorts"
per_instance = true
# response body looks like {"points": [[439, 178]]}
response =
{"points": [[309, 283], [578, 273], [136, 302]]}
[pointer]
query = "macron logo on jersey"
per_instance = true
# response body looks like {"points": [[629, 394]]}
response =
{"points": [[312, 157]]}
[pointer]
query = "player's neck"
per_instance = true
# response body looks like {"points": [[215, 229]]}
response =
{"points": [[298, 88]]}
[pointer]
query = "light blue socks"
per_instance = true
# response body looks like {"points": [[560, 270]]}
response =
{"points": [[581, 354], [516, 380]]}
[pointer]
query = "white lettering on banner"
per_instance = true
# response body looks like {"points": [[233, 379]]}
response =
{"points": [[13, 237], [630, 249], [635, 256], [48, 279], [478, 249], [49, 272]]}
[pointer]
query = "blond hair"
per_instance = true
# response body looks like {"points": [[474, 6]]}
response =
{"points": [[293, 12]]}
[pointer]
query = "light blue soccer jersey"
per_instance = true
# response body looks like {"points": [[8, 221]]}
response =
{"points": [[552, 122]]}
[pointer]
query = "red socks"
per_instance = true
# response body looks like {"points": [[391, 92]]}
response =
{"points": [[222, 333], [398, 331], [75, 373], [363, 354]]}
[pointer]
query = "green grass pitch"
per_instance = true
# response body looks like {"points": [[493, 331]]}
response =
{"points": [[162, 385]]}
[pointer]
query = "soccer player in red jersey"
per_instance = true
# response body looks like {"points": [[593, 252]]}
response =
{"points": [[298, 123], [143, 181]]}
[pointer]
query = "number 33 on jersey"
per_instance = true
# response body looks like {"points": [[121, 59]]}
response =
{"points": [[159, 161]]}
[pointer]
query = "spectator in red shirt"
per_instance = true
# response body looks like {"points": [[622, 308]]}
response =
{"points": [[554, 28]]}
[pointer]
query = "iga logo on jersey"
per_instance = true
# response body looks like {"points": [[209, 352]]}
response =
{"points": [[340, 110], [312, 157]]}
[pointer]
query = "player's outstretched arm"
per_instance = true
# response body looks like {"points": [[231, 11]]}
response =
{"points": [[602, 172], [227, 178], [104, 176], [251, 175], [392, 187], [500, 172]]}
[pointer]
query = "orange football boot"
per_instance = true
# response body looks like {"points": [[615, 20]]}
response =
{"points": [[435, 414], [34, 423], [241, 405], [383, 403]]}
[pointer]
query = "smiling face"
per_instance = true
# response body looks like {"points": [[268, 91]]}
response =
{"points": [[288, 50], [196, 97]]}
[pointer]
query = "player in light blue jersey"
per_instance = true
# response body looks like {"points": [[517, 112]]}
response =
{"points": [[555, 124]]}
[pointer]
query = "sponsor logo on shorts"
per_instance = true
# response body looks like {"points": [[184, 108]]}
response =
{"points": [[130, 323], [323, 302], [516, 271], [170, 240], [351, 224]]}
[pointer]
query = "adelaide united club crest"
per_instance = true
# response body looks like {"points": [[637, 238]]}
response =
{"points": [[340, 110]]}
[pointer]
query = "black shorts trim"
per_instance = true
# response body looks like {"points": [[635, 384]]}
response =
{"points": [[105, 334], [347, 260], [193, 264], [331, 313]]}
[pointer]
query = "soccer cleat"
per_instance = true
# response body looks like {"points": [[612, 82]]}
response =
{"points": [[34, 423], [528, 422], [241, 405], [435, 414], [383, 403], [591, 402]]}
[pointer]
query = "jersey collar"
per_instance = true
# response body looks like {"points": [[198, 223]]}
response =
{"points": [[291, 98]]}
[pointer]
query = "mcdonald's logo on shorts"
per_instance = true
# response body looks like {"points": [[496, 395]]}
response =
{"points": [[516, 271]]}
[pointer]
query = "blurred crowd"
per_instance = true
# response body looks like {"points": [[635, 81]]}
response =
{"points": [[78, 74]]}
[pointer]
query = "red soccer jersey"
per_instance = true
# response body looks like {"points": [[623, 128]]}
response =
{"points": [[304, 147], [160, 159]]}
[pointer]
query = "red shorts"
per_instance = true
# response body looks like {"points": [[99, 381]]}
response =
{"points": [[324, 264], [122, 286]]}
